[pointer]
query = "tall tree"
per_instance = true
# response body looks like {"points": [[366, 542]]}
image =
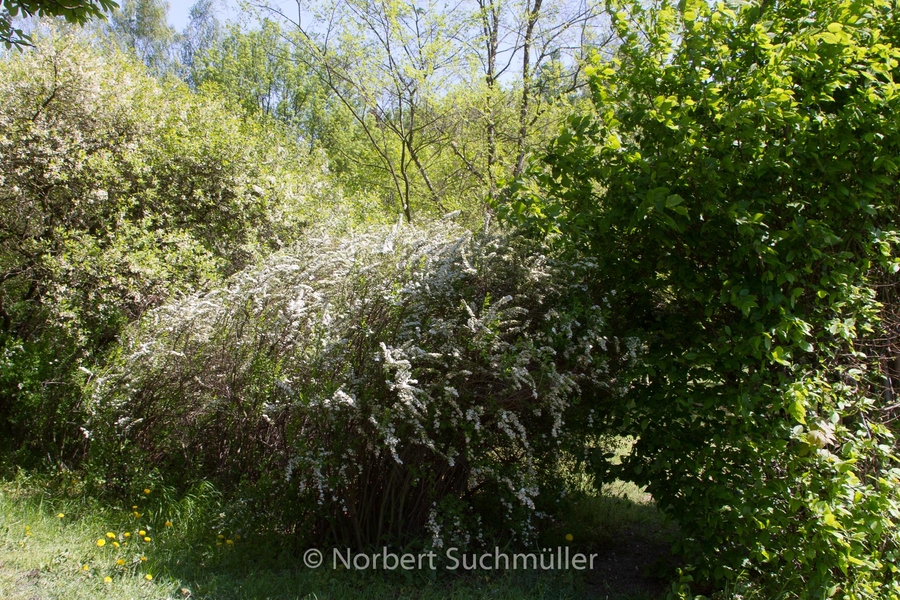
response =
{"points": [[202, 33], [449, 96], [142, 27], [73, 11], [388, 62], [259, 70]]}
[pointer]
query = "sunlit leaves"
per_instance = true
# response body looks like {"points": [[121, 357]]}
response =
{"points": [[73, 11], [736, 183], [117, 192]]}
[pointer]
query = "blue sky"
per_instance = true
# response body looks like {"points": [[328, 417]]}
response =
{"points": [[178, 13], [226, 10]]}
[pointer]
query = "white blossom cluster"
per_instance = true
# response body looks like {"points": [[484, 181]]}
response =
{"points": [[406, 380]]}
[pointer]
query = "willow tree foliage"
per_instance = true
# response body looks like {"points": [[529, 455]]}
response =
{"points": [[737, 185], [142, 27], [202, 33], [260, 72]]}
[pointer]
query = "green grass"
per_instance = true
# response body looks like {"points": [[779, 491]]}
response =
{"points": [[43, 555]]}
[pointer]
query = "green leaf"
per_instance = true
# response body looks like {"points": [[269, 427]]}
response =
{"points": [[797, 409], [673, 201]]}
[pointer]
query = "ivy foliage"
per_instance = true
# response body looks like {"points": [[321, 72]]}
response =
{"points": [[737, 185]]}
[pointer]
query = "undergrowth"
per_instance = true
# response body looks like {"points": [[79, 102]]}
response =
{"points": [[57, 539]]}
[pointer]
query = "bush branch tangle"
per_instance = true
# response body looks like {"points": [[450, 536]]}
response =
{"points": [[379, 386]]}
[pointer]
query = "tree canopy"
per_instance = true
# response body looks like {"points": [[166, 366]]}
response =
{"points": [[73, 11]]}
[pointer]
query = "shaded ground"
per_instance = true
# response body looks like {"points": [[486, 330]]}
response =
{"points": [[638, 565], [632, 540], [49, 549]]}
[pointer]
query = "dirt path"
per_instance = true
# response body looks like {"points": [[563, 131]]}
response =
{"points": [[635, 565]]}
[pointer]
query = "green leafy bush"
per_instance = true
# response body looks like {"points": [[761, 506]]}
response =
{"points": [[115, 193], [364, 388], [737, 185]]}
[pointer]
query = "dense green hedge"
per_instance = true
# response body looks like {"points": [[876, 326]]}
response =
{"points": [[737, 186]]}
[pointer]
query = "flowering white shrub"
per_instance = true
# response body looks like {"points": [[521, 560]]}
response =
{"points": [[394, 383], [118, 192]]}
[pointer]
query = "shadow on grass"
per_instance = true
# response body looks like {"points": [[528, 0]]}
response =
{"points": [[632, 541], [189, 560]]}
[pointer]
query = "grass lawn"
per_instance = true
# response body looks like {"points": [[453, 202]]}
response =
{"points": [[56, 541]]}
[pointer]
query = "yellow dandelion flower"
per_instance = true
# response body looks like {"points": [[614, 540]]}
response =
{"points": [[60, 515], [107, 579], [168, 523], [220, 536], [148, 576], [116, 544], [229, 542], [146, 490], [127, 534], [86, 568], [569, 537], [101, 542], [146, 539], [134, 507], [120, 562], [27, 527], [110, 535], [143, 559], [142, 533], [28, 533], [136, 514]]}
